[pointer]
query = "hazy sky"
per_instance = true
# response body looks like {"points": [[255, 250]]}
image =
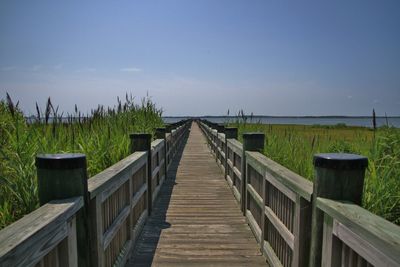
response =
{"points": [[205, 57]]}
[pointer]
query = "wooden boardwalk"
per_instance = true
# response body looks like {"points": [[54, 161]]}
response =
{"points": [[196, 221]]}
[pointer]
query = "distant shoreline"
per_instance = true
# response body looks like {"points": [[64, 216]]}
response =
{"points": [[292, 117], [363, 121]]}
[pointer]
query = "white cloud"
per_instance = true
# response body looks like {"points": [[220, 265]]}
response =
{"points": [[349, 97], [130, 69], [8, 68], [58, 66]]}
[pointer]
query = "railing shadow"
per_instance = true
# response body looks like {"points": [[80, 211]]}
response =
{"points": [[146, 245]]}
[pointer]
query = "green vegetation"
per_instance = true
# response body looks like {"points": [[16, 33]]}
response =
{"points": [[103, 136], [294, 146]]}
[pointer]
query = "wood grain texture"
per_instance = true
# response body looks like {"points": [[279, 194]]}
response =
{"points": [[196, 220], [292, 180], [29, 239], [376, 239], [236, 146], [109, 180]]}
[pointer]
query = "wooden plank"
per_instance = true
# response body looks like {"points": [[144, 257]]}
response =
{"points": [[72, 245], [368, 251], [196, 220], [370, 235], [236, 193], [157, 145], [291, 180], [109, 180], [115, 226], [327, 248], [230, 164], [138, 195], [235, 146], [67, 250], [221, 152], [162, 162], [255, 196], [254, 226], [238, 173], [137, 229], [156, 192], [29, 239], [281, 187], [270, 255], [229, 180], [301, 232], [124, 254], [280, 227], [253, 162], [155, 172]]}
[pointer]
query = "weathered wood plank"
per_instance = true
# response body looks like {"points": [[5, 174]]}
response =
{"points": [[29, 239], [370, 235], [235, 146], [115, 226], [292, 180], [109, 180], [157, 144], [196, 220], [280, 227]]}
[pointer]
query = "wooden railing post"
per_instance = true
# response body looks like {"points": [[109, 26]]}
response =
{"points": [[230, 133], [251, 142], [62, 176], [339, 176], [161, 133], [168, 128], [142, 142], [220, 129]]}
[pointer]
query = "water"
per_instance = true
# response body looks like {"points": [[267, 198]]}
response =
{"points": [[349, 121]]}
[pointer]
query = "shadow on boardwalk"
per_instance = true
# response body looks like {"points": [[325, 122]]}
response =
{"points": [[147, 243], [196, 221]]}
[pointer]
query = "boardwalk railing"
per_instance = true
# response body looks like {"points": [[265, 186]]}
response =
{"points": [[279, 204], [110, 214], [45, 237]]}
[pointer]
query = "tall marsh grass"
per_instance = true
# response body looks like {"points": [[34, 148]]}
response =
{"points": [[103, 135], [293, 146]]}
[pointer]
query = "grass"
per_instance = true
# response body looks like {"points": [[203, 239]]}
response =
{"points": [[293, 146], [103, 135]]}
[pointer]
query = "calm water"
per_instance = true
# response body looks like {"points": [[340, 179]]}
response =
{"points": [[350, 121]]}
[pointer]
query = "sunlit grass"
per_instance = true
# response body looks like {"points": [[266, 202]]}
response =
{"points": [[103, 135], [294, 146]]}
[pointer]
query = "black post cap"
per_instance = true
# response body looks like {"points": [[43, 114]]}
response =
{"points": [[160, 133], [231, 132], [253, 135], [340, 161], [61, 161], [161, 129], [220, 128], [140, 135]]}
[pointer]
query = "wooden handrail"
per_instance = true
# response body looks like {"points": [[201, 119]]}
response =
{"points": [[279, 210], [352, 230], [116, 212], [47, 234]]}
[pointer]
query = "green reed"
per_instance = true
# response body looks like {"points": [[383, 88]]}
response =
{"points": [[103, 135], [293, 146]]}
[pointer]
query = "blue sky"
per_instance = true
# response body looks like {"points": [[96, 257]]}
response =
{"points": [[205, 57]]}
